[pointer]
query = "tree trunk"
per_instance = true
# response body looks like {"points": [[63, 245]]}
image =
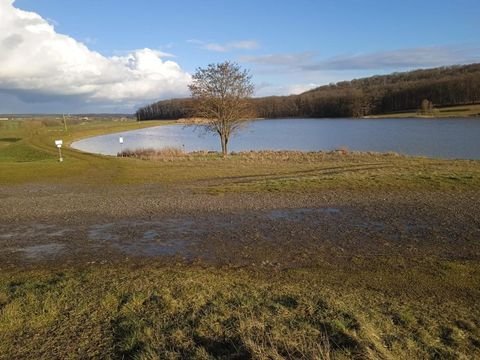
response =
{"points": [[224, 144]]}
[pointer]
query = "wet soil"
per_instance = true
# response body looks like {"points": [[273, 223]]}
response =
{"points": [[58, 224]]}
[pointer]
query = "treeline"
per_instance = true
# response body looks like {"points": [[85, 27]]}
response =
{"points": [[166, 110], [398, 92]]}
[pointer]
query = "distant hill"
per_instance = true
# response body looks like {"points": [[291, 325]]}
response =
{"points": [[376, 95], [92, 115]]}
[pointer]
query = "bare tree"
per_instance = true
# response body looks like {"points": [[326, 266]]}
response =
{"points": [[426, 106], [221, 92]]}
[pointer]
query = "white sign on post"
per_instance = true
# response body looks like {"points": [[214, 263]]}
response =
{"points": [[120, 140], [59, 144]]}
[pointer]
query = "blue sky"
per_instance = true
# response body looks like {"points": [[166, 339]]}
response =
{"points": [[288, 46]]}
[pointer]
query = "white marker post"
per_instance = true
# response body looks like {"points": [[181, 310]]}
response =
{"points": [[59, 144], [120, 140]]}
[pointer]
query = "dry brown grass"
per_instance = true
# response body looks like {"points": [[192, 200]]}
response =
{"points": [[367, 309], [166, 153]]}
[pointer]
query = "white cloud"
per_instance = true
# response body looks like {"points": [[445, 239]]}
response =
{"points": [[39, 64], [430, 56], [90, 40], [267, 89], [301, 88], [233, 45], [280, 60], [400, 59]]}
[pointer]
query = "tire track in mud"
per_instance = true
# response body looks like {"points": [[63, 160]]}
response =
{"points": [[295, 175]]}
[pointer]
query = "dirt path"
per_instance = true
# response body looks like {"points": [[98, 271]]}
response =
{"points": [[52, 224]]}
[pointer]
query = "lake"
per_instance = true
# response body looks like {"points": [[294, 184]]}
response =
{"points": [[438, 138]]}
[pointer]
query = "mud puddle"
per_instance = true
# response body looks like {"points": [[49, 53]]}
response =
{"points": [[299, 214], [281, 236]]}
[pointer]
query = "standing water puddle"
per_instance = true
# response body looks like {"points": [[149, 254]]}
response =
{"points": [[299, 214], [209, 236], [42, 252], [33, 231], [147, 238]]}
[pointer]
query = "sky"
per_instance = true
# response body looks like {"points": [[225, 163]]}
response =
{"points": [[108, 56]]}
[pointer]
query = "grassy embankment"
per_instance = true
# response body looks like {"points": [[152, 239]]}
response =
{"points": [[28, 154], [366, 308], [444, 112]]}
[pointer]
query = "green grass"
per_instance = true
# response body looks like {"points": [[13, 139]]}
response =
{"points": [[33, 157], [453, 111], [356, 172], [147, 312], [21, 152]]}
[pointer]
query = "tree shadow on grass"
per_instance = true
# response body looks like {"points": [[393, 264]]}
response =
{"points": [[10, 140], [228, 348]]}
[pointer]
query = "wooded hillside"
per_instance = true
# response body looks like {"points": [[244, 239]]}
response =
{"points": [[376, 95]]}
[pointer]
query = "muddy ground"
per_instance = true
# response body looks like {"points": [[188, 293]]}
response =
{"points": [[44, 225]]}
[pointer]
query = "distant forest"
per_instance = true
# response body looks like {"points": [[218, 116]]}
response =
{"points": [[398, 92]]}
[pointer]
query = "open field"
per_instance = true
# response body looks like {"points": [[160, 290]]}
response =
{"points": [[260, 255], [444, 112], [422, 309]]}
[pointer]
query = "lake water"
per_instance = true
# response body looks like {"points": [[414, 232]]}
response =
{"points": [[439, 138]]}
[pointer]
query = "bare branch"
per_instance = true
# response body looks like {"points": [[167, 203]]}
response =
{"points": [[221, 92]]}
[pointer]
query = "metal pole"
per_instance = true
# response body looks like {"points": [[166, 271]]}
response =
{"points": [[65, 123], [60, 154]]}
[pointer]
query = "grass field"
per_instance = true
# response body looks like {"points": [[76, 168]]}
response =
{"points": [[421, 306], [444, 112], [151, 312]]}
